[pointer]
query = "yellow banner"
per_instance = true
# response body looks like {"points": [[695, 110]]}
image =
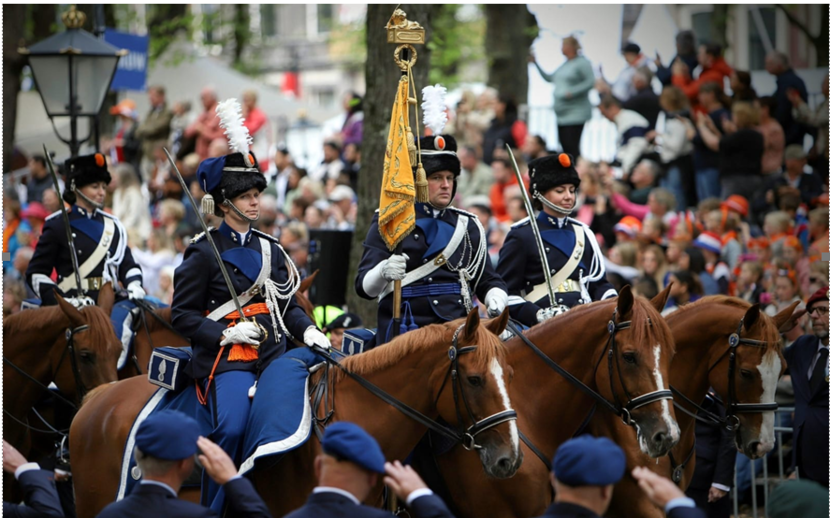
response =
{"points": [[397, 195]]}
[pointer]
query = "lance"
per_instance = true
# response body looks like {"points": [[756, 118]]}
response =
{"points": [[72, 255]]}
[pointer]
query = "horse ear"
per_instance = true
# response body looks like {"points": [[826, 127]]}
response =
{"points": [[498, 325], [106, 298], [625, 301], [784, 315], [752, 316], [659, 302], [471, 326], [308, 281], [75, 317]]}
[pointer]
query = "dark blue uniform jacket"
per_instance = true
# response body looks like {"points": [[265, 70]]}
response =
{"points": [[333, 505], [568, 510], [52, 251], [199, 288], [521, 267], [40, 496], [436, 297]]}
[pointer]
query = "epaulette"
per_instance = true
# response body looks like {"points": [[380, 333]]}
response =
{"points": [[461, 211], [575, 221], [107, 214], [522, 222], [198, 237], [266, 236], [50, 216]]}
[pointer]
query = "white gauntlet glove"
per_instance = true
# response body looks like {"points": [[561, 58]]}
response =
{"points": [[391, 269], [546, 313], [242, 333], [314, 337], [496, 301], [136, 291]]}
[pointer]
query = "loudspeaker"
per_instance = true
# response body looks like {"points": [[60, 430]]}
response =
{"points": [[328, 251]]}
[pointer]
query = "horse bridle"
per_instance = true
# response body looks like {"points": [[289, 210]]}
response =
{"points": [[466, 437]]}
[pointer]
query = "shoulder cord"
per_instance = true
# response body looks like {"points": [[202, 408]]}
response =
{"points": [[475, 261], [274, 292]]}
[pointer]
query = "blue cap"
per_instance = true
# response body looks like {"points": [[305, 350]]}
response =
{"points": [[168, 435], [350, 442], [589, 461], [209, 173]]}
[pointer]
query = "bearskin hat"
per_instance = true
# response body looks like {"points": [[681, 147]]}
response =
{"points": [[440, 153], [84, 170], [549, 171], [226, 177]]}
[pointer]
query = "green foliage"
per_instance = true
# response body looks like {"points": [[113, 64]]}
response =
{"points": [[454, 43]]}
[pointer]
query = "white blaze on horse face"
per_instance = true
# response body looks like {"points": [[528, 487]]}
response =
{"points": [[671, 424], [770, 369], [498, 374]]}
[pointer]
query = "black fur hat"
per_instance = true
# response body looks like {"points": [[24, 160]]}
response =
{"points": [[549, 171], [440, 153], [84, 170], [227, 177]]}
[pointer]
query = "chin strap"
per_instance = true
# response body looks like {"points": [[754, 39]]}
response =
{"points": [[229, 203], [549, 204], [99, 206]]}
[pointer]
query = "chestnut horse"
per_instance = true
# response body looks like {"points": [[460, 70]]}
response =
{"points": [[702, 332], [75, 348], [551, 409], [413, 368]]}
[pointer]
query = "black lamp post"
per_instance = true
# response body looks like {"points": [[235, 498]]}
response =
{"points": [[73, 71]]}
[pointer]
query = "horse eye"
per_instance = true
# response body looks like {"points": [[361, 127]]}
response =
{"points": [[746, 374], [87, 356], [474, 381], [630, 358]]}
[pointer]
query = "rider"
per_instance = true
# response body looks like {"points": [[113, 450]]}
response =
{"points": [[576, 263], [443, 262], [100, 241], [229, 353]]}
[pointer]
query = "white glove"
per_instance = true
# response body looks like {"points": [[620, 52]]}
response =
{"points": [[394, 268], [314, 337], [496, 301], [242, 333], [80, 301], [506, 335], [546, 313], [136, 291]]}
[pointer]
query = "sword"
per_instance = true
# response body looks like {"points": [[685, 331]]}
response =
{"points": [[535, 227], [72, 254], [216, 254]]}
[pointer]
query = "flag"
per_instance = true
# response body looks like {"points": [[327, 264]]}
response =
{"points": [[396, 217]]}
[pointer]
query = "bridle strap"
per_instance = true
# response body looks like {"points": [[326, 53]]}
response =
{"points": [[73, 360], [29, 377]]}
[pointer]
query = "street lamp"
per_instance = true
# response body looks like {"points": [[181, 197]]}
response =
{"points": [[73, 71]]}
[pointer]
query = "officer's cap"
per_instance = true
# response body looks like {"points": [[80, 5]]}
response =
{"points": [[589, 461], [348, 441], [168, 435]]}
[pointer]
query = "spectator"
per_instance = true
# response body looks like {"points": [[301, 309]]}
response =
{"points": [[627, 229], [181, 146], [218, 147], [571, 82], [660, 205], [623, 88], [158, 255], [257, 123], [503, 178], [13, 226], [205, 129], [801, 498], [41, 498], [818, 120], [685, 288], [298, 251], [748, 284], [284, 166], [808, 184], [476, 178], [773, 137], [171, 216], [644, 287], [818, 230], [35, 215], [516, 209], [51, 201], [128, 203], [165, 284], [684, 42], [331, 166], [643, 180], [353, 126], [777, 225], [653, 265], [785, 292], [706, 159], [714, 70], [631, 128], [351, 159], [126, 146], [644, 101], [14, 292], [740, 81], [39, 179], [675, 147], [335, 329], [709, 243], [154, 129], [342, 209], [778, 64], [505, 128]]}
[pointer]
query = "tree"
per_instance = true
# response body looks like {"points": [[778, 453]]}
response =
{"points": [[458, 44], [511, 29], [14, 26], [819, 41], [382, 77]]}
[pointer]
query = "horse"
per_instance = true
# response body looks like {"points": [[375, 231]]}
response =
{"points": [[424, 358], [705, 333], [551, 408]]}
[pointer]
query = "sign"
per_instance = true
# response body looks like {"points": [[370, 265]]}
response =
{"points": [[131, 73]]}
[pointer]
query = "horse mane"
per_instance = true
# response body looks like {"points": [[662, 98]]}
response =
{"points": [[432, 336], [23, 323], [100, 327], [771, 335]]}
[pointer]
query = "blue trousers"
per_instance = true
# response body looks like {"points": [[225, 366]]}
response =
{"points": [[227, 415], [674, 183], [708, 183]]}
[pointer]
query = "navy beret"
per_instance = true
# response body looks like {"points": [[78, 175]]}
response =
{"points": [[348, 441], [589, 461], [168, 435]]}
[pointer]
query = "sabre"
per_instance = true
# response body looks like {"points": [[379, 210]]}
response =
{"points": [[72, 254], [216, 254], [536, 234]]}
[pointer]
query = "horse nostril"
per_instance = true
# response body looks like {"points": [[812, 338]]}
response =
{"points": [[660, 438], [753, 448], [504, 464]]}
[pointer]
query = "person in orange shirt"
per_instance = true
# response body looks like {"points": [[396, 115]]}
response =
{"points": [[503, 178], [714, 70], [206, 127]]}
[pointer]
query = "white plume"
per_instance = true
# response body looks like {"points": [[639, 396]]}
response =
{"points": [[435, 108], [230, 118]]}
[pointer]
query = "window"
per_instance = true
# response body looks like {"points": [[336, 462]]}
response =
{"points": [[702, 26], [268, 20], [325, 18], [757, 51]]}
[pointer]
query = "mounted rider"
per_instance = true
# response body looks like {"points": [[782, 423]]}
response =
{"points": [[575, 260], [229, 353], [100, 242]]}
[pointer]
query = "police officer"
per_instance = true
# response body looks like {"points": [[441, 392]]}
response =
{"points": [[100, 241], [229, 353], [576, 263], [443, 263]]}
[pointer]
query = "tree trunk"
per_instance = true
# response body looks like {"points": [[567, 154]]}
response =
{"points": [[241, 31], [382, 77], [511, 29], [14, 25], [45, 21], [822, 54], [720, 19]]}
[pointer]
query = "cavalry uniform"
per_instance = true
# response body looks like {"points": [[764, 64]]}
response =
{"points": [[446, 260], [100, 242], [576, 263]]}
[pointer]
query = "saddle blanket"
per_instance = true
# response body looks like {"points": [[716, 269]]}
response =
{"points": [[279, 420]]}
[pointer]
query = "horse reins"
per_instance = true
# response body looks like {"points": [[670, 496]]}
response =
{"points": [[144, 308]]}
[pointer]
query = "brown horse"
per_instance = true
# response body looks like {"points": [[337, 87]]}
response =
{"points": [[701, 332], [420, 357], [550, 408], [75, 349]]}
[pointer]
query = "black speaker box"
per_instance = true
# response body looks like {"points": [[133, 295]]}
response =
{"points": [[329, 253]]}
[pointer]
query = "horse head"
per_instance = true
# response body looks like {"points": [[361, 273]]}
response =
{"points": [[636, 377], [479, 377], [92, 347]]}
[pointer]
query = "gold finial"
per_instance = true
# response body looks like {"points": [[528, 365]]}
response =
{"points": [[400, 30], [73, 19]]}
